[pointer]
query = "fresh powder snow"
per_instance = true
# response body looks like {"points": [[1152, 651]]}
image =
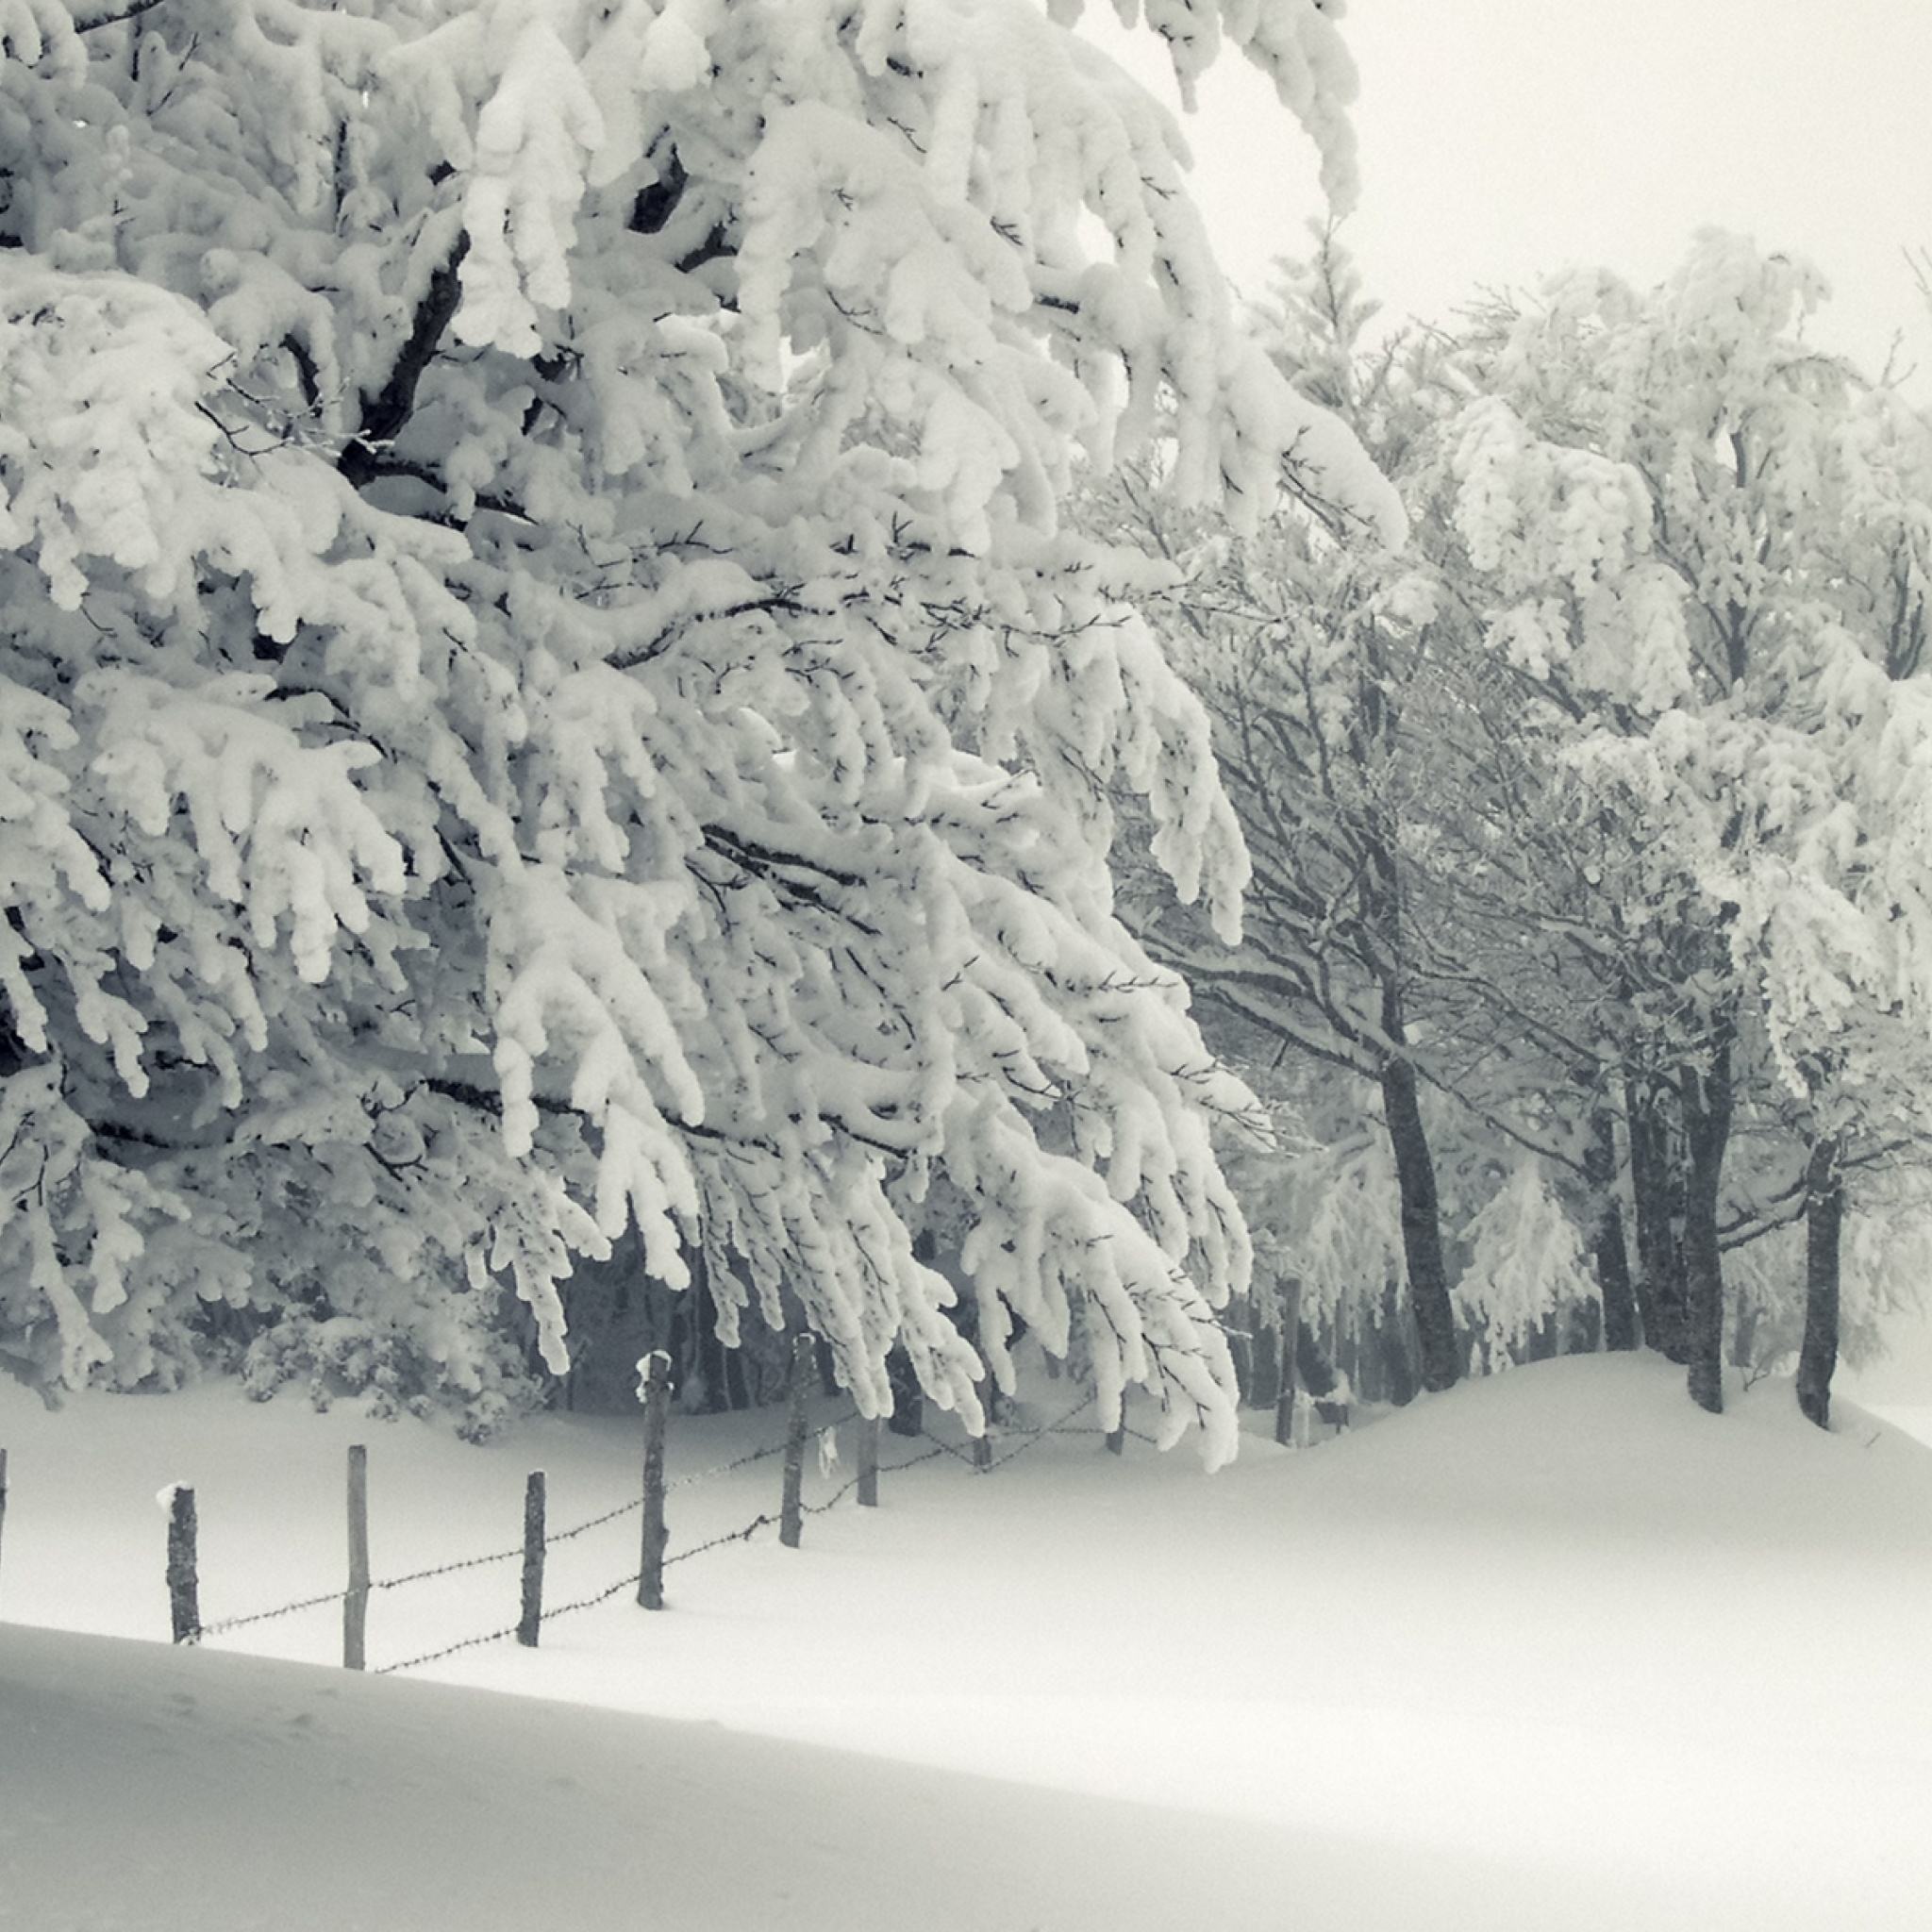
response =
{"points": [[1554, 1650]]}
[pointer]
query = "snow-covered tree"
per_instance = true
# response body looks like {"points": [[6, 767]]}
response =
{"points": [[543, 688], [1603, 800], [1527, 1258], [1706, 544], [1302, 645]]}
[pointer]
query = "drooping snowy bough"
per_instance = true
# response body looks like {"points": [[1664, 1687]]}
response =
{"points": [[542, 688]]}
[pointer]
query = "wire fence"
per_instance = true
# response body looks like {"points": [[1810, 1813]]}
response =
{"points": [[1013, 1442]]}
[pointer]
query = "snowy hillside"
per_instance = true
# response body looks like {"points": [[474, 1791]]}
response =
{"points": [[1551, 1651]]}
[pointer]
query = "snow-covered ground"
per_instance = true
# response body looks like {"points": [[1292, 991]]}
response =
{"points": [[1551, 1651]]}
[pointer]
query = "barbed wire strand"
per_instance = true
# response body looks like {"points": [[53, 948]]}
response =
{"points": [[844, 1488], [431, 1656], [222, 1625], [1031, 1437], [951, 1449], [718, 1542], [378, 1583], [744, 1533], [582, 1602]]}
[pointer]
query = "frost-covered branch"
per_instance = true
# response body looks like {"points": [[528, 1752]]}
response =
{"points": [[552, 699], [386, 412], [94, 22]]}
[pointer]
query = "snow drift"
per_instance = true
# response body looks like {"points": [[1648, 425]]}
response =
{"points": [[1551, 1650]]}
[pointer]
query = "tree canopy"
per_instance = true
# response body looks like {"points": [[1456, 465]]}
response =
{"points": [[545, 687], [1595, 815]]}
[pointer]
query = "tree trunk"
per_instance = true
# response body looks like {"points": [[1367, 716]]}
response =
{"points": [[1707, 1103], [1620, 1329], [1265, 1349], [1825, 1215], [909, 1400], [1397, 1359], [704, 1361], [1422, 1228], [1241, 1324], [1656, 1183], [1291, 1314]]}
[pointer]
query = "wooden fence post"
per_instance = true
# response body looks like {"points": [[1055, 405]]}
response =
{"points": [[655, 1393], [2, 1492], [532, 1619], [356, 1598], [184, 1588], [1117, 1438], [868, 1461], [792, 1513]]}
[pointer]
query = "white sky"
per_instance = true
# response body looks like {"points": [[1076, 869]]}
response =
{"points": [[1502, 140]]}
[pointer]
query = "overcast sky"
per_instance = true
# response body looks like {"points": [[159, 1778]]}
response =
{"points": [[1505, 139]]}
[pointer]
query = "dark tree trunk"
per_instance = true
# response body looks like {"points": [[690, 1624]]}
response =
{"points": [[1825, 1215], [706, 1366], [1291, 1315], [1398, 1360], [1356, 1363], [1316, 1369], [1607, 1239], [1241, 1326], [1541, 1344], [1422, 1228], [1264, 1350], [909, 1400], [1655, 1181], [1707, 1103]]}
